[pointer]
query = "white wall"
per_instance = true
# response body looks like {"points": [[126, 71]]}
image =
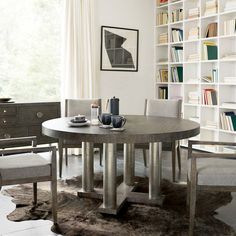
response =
{"points": [[131, 87]]}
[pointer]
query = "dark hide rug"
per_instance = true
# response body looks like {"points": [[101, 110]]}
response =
{"points": [[79, 216]]}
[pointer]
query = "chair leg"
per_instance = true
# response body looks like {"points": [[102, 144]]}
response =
{"points": [[35, 194], [192, 203], [60, 150], [66, 156], [145, 157], [173, 160], [188, 194], [100, 155], [179, 156]]}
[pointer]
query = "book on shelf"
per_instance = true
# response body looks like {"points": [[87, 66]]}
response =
{"points": [[162, 2], [162, 18], [177, 74], [193, 33], [211, 30], [162, 75], [193, 97], [228, 120], [210, 51], [177, 53], [230, 105], [230, 5], [211, 7], [176, 15], [230, 27], [177, 35], [193, 13], [229, 79], [212, 78], [209, 97], [163, 38], [163, 92]]}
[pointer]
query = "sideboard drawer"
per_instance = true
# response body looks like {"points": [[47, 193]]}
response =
{"points": [[37, 114], [13, 132], [7, 111], [8, 121]]}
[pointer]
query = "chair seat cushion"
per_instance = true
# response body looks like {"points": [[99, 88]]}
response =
{"points": [[21, 166], [215, 171]]}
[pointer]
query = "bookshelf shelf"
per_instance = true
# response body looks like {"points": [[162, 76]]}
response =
{"points": [[193, 69]]}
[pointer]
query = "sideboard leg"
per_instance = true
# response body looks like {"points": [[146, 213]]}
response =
{"points": [[87, 167], [154, 170], [129, 164]]}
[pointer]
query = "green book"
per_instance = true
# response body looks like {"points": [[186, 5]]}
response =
{"points": [[233, 118], [180, 73], [212, 52]]}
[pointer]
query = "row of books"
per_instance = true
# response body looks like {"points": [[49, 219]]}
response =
{"points": [[210, 51], [177, 35], [163, 92], [212, 78], [193, 13], [177, 74], [163, 38], [230, 27], [193, 33], [228, 120], [162, 18], [177, 53], [177, 15], [162, 75], [209, 97], [211, 7]]}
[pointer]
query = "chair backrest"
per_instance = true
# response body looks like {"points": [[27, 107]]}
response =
{"points": [[164, 108], [74, 107]]}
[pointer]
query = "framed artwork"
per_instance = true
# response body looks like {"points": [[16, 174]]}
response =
{"points": [[119, 49]]}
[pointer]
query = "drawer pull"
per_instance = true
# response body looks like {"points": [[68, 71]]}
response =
{"points": [[6, 135], [39, 114]]}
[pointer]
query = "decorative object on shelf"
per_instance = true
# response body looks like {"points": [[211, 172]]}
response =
{"points": [[230, 27], [210, 51], [211, 7], [211, 30], [119, 49]]}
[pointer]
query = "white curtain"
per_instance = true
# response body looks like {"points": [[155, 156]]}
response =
{"points": [[78, 80]]}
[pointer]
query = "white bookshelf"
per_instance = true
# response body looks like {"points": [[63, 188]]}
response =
{"points": [[193, 71]]}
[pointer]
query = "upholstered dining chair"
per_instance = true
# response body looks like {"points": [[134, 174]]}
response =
{"points": [[164, 108], [209, 171], [74, 107], [21, 165]]}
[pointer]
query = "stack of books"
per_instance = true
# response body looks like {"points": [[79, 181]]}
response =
{"points": [[177, 15], [162, 75], [163, 92], [193, 97], [229, 105], [162, 2], [230, 5], [231, 80], [211, 124], [230, 27], [210, 7], [193, 57], [193, 13], [210, 51], [193, 33], [162, 18], [211, 30], [163, 38], [209, 97], [177, 35], [228, 120], [177, 53], [177, 74]]}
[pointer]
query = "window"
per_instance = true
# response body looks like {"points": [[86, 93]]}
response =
{"points": [[30, 49]]}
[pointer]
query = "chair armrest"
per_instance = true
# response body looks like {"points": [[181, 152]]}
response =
{"points": [[29, 139]]}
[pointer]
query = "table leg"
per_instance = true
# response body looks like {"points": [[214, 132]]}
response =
{"points": [[87, 167], [129, 164], [109, 177], [154, 170]]}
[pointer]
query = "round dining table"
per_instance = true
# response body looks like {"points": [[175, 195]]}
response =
{"points": [[138, 129]]}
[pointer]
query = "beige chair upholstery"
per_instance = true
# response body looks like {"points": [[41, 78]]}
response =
{"points": [[209, 171], [164, 108], [74, 107], [27, 165]]}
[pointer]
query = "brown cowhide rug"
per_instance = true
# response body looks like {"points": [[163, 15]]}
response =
{"points": [[79, 216]]}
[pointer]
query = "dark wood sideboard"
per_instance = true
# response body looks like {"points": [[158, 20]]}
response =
{"points": [[25, 119]]}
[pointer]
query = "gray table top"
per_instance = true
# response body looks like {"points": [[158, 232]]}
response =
{"points": [[138, 129]]}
